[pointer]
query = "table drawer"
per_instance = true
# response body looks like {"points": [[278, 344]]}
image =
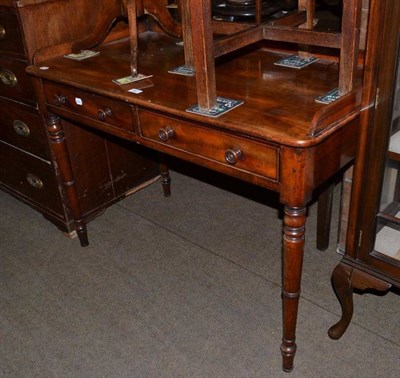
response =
{"points": [[108, 111], [14, 82], [10, 35], [22, 127], [30, 177], [231, 150]]}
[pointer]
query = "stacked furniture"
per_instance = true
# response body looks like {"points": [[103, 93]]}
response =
{"points": [[242, 109], [107, 169]]}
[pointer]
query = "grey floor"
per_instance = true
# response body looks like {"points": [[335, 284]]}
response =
{"points": [[187, 286]]}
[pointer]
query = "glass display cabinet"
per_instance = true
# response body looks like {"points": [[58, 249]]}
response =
{"points": [[387, 229], [372, 256]]}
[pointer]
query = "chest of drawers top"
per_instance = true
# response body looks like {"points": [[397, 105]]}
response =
{"points": [[27, 26]]}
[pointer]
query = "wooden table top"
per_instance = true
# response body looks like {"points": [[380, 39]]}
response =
{"points": [[279, 102]]}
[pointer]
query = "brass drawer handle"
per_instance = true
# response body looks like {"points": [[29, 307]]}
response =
{"points": [[59, 100], [2, 32], [232, 156], [103, 114], [21, 128], [34, 181], [8, 77], [166, 134]]}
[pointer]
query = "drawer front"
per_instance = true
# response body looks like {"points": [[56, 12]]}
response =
{"points": [[98, 108], [14, 82], [248, 156], [22, 127], [10, 35], [30, 177]]}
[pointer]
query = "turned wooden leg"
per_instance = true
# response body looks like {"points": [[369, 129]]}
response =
{"points": [[293, 246], [309, 6], [165, 178], [324, 217], [344, 280], [59, 147]]}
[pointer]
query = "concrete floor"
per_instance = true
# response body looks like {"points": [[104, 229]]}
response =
{"points": [[187, 286]]}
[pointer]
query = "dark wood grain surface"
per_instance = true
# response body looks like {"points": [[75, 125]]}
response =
{"points": [[279, 103]]}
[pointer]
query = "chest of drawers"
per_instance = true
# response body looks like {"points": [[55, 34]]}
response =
{"points": [[27, 169]]}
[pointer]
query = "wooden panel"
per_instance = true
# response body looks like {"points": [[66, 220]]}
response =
{"points": [[260, 159], [46, 23], [106, 168], [131, 166], [90, 167], [10, 35], [334, 153], [21, 126]]}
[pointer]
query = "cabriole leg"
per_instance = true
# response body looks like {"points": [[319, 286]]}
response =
{"points": [[341, 281], [344, 280]]}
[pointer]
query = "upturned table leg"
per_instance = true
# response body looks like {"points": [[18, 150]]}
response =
{"points": [[131, 9], [293, 248], [203, 53], [60, 150], [187, 34]]}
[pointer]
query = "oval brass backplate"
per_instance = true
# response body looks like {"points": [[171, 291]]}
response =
{"points": [[21, 128], [2, 32], [8, 77], [34, 181]]}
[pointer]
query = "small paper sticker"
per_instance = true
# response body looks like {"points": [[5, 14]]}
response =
{"points": [[84, 54], [135, 90], [131, 79]]}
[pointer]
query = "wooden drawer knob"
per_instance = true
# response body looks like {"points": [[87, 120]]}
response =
{"points": [[2, 32], [21, 128], [58, 100], [8, 77], [166, 134], [34, 181], [232, 156], [103, 114]]}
